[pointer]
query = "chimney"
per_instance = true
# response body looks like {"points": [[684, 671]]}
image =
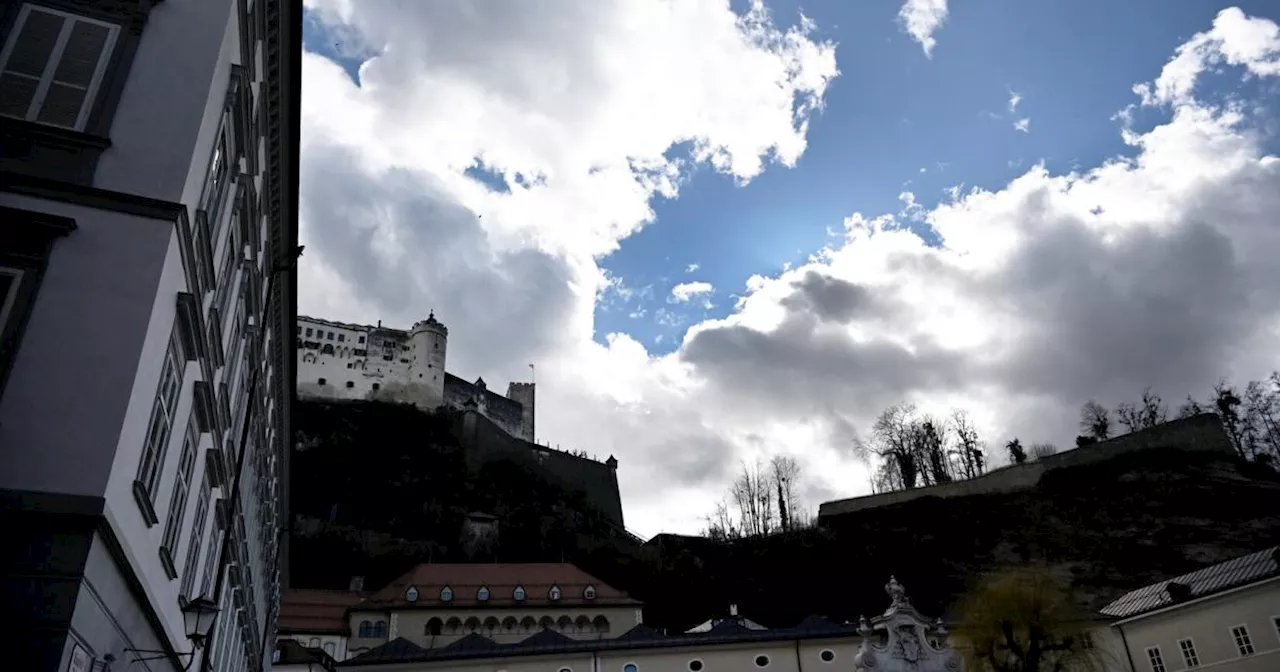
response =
{"points": [[1178, 592], [357, 584], [733, 610], [379, 324]]}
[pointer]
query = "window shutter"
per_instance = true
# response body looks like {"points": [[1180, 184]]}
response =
{"points": [[28, 59], [68, 92]]}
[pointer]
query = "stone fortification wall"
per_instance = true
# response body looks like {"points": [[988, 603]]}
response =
{"points": [[1198, 433], [507, 413], [484, 441]]}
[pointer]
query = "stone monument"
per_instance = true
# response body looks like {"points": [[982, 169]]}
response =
{"points": [[901, 640]]}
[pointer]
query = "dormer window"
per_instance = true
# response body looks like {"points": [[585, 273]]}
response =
{"points": [[589, 593], [446, 594], [483, 594], [412, 594], [518, 594], [554, 593]]}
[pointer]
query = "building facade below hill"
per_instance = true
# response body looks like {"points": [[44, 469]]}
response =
{"points": [[337, 360]]}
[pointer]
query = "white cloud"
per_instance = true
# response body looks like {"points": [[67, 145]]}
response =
{"points": [[1014, 99], [1156, 270], [1023, 125], [1235, 39], [921, 19], [684, 291], [691, 268]]}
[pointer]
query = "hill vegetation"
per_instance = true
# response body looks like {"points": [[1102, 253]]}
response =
{"points": [[378, 488]]}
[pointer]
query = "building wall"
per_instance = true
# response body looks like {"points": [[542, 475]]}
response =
{"points": [[412, 625], [1198, 433], [334, 645], [1208, 624]]}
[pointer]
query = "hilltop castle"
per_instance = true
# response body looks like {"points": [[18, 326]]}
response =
{"points": [[354, 361]]}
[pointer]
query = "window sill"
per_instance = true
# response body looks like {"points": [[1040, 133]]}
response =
{"points": [[53, 136], [143, 498], [167, 561]]}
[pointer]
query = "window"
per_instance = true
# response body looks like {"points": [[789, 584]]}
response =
{"points": [[341, 338], [215, 181], [350, 384], [366, 629], [178, 502], [308, 331], [376, 386], [695, 665], [518, 594], [322, 381], [446, 593], [226, 275], [554, 593], [412, 594], [157, 438], [482, 594], [630, 667], [762, 661], [328, 648], [380, 629], [589, 593], [197, 536], [1243, 643], [1157, 662], [329, 336], [362, 339], [1189, 655], [827, 655], [53, 64], [314, 643]]}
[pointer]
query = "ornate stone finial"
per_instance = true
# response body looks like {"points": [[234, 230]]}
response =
{"points": [[864, 628], [940, 628], [897, 592]]}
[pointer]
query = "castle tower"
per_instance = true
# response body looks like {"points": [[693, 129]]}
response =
{"points": [[523, 393], [429, 341]]}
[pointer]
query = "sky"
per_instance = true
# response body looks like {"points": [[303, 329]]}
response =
{"points": [[727, 230]]}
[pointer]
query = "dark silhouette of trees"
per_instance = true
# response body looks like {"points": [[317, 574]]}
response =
{"points": [[761, 501], [1095, 421], [968, 450], [1017, 454], [1147, 413]]}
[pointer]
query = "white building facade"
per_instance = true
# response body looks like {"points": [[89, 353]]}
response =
{"points": [[337, 360], [148, 227]]}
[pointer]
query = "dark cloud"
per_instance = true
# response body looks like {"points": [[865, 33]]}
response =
{"points": [[830, 299], [405, 247]]}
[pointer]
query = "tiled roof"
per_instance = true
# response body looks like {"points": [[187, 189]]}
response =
{"points": [[1200, 583], [315, 611], [465, 580], [393, 651], [639, 637]]}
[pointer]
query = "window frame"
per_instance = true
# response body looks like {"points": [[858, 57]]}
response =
{"points": [[1190, 655], [1243, 639], [46, 79], [1155, 659], [191, 567], [171, 540], [151, 461], [28, 243]]}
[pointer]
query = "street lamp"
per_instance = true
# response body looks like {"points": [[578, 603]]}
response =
{"points": [[197, 618]]}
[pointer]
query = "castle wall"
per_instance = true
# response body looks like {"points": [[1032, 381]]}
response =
{"points": [[504, 412], [485, 441], [524, 393], [1201, 433]]}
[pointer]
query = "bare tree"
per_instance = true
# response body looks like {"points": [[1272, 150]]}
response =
{"points": [[1039, 450], [968, 447], [1127, 414], [1227, 403], [892, 449], [1152, 411], [720, 525], [1262, 408], [929, 445], [1191, 407], [784, 471], [1095, 421], [754, 500]]}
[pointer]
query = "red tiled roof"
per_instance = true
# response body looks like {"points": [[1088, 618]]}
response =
{"points": [[465, 580], [315, 611]]}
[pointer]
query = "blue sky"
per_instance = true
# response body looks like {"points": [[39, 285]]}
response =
{"points": [[892, 112]]}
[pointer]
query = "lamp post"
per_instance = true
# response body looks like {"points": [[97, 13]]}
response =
{"points": [[197, 619], [234, 495]]}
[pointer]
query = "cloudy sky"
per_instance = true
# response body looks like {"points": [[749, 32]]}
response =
{"points": [[724, 230]]}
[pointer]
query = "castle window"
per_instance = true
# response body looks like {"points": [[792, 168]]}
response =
{"points": [[341, 338], [554, 593], [366, 629], [518, 594], [376, 386], [348, 365], [762, 661], [350, 384], [482, 594], [362, 339], [1244, 644], [380, 629], [434, 627], [322, 381], [446, 593], [589, 593], [299, 331], [308, 331], [412, 594], [330, 336]]}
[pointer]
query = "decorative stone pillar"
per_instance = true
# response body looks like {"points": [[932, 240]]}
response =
{"points": [[901, 640]]}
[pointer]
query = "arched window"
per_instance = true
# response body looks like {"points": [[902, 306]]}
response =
{"points": [[446, 593], [554, 593], [314, 643], [509, 624], [412, 594], [328, 648], [483, 594], [565, 624], [453, 625], [601, 624], [582, 624], [630, 667], [472, 624], [527, 624], [434, 627], [546, 623], [762, 661], [589, 592], [380, 629], [491, 624], [518, 594], [366, 629]]}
